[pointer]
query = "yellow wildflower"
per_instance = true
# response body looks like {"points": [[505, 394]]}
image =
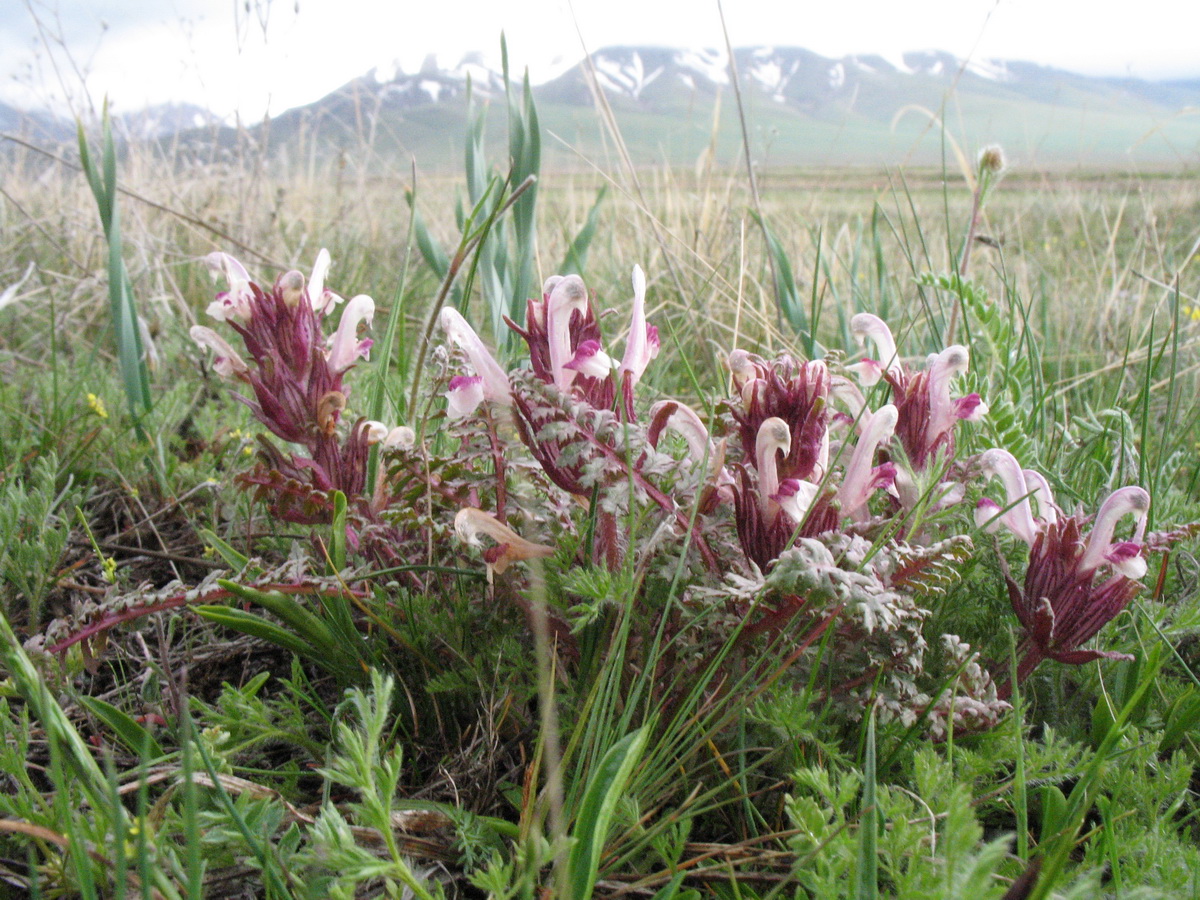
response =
{"points": [[97, 405]]}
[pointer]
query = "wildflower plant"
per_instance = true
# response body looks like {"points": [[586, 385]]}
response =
{"points": [[571, 629], [793, 502]]}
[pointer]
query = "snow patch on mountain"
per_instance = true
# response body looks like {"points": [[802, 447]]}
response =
{"points": [[710, 65], [991, 69], [627, 76], [773, 75]]}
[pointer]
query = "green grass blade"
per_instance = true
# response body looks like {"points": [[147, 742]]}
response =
{"points": [[232, 558], [867, 871], [337, 537], [309, 627], [787, 294], [131, 360]]}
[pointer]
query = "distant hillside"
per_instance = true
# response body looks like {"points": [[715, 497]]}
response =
{"points": [[803, 109]]}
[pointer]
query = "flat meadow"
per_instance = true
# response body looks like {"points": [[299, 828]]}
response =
{"points": [[833, 535]]}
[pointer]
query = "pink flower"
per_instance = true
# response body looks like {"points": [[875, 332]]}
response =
{"points": [[773, 512], [642, 344], [509, 547], [235, 302], [489, 383], [862, 477], [565, 347], [926, 411], [565, 297], [345, 348], [591, 361], [225, 360]]}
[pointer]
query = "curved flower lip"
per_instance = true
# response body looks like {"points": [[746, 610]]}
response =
{"points": [[464, 395], [796, 497], [642, 344], [970, 408], [236, 302], [1126, 559], [1100, 546], [470, 523], [590, 360], [345, 348], [864, 327], [861, 479], [1017, 517], [567, 295], [494, 381], [226, 360]]}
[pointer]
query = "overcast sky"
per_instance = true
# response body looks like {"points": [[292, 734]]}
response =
{"points": [[253, 56]]}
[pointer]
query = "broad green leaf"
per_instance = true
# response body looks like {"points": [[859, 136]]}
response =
{"points": [[134, 736], [596, 812], [232, 558]]}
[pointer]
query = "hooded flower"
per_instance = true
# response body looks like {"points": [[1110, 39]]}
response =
{"points": [[226, 360], [234, 303], [344, 347], [926, 411], [565, 347], [1075, 582], [792, 492], [489, 381], [642, 344]]}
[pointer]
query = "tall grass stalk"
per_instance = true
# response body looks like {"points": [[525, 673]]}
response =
{"points": [[127, 328]]}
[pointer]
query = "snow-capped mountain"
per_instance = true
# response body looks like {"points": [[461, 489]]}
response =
{"points": [[802, 108]]}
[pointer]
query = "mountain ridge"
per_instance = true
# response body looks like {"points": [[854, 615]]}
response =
{"points": [[803, 109]]}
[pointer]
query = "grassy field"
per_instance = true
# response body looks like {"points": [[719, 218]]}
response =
{"points": [[252, 649]]}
